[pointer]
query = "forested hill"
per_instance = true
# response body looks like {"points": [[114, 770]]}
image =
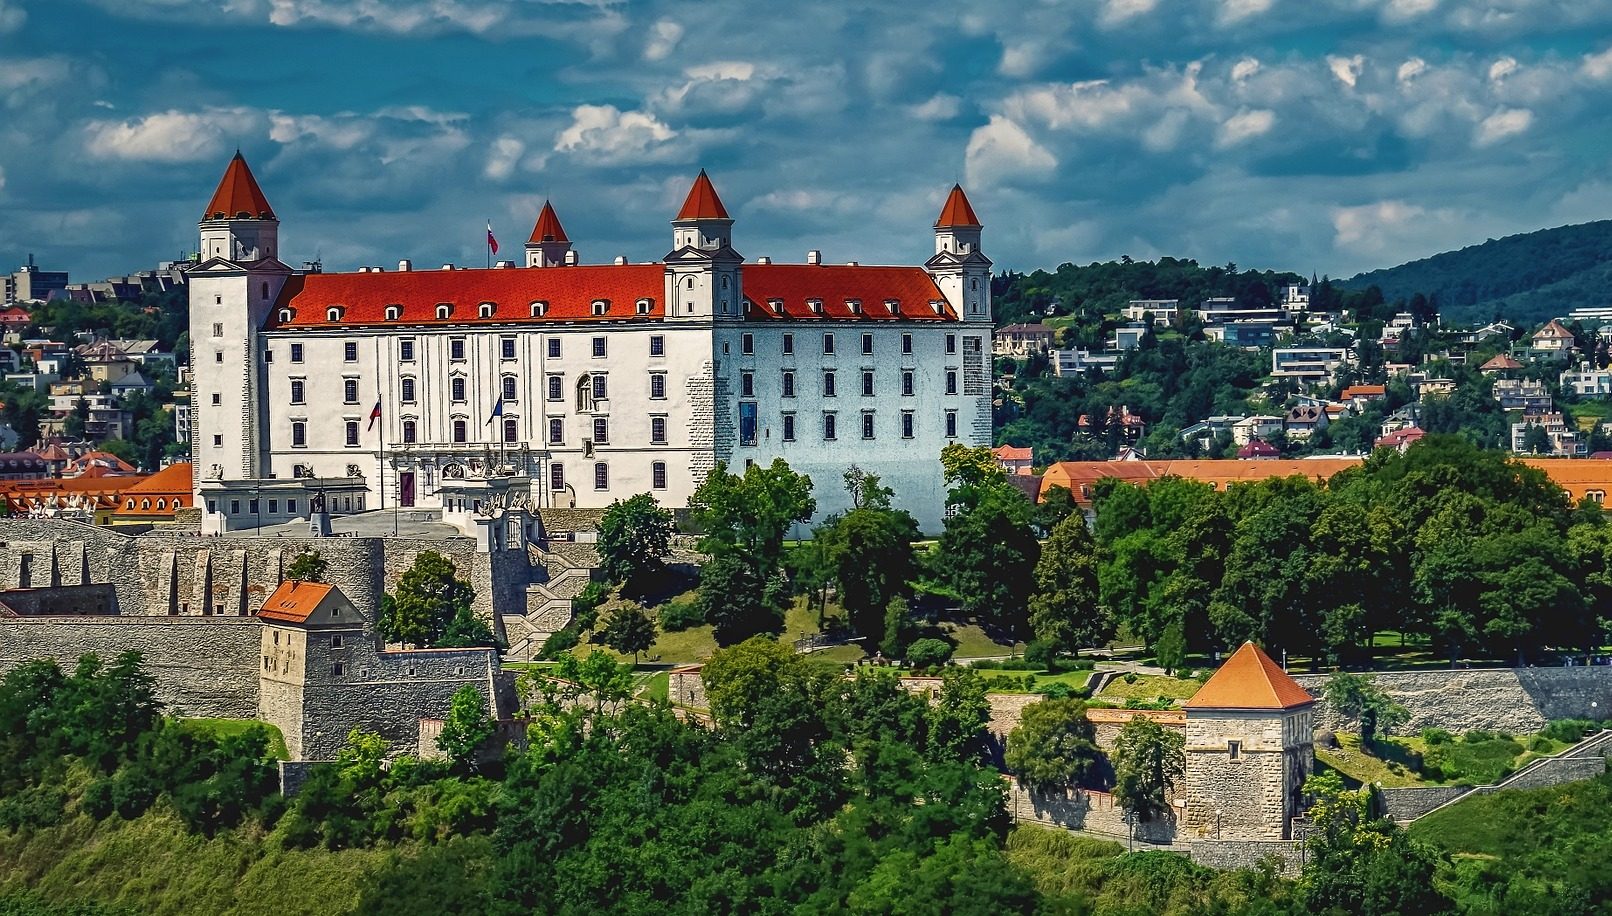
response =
{"points": [[1104, 287], [1528, 278]]}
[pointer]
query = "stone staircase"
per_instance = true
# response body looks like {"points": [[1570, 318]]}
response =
{"points": [[548, 603]]}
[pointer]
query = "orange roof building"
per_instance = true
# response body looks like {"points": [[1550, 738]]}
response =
{"points": [[957, 213], [702, 202], [1250, 679], [158, 497], [238, 195], [295, 602], [1080, 477]]}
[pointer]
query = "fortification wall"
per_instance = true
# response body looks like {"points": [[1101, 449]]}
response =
{"points": [[1231, 854], [205, 666], [1408, 804], [1088, 812], [1514, 700]]}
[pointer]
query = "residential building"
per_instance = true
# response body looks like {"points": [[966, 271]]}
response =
{"points": [[1587, 381], [1164, 311], [1401, 439], [1302, 422], [1296, 298], [1553, 341], [1022, 340], [1309, 365], [1248, 334], [1207, 430], [1501, 363], [1360, 396], [1565, 441], [587, 384], [1128, 337], [1015, 460], [1258, 426], [1522, 394], [1258, 449], [30, 284], [1131, 426], [1079, 362]]}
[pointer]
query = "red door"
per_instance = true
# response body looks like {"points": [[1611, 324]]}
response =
{"points": [[405, 489]]}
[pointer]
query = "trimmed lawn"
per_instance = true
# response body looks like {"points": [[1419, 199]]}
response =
{"points": [[1364, 768], [224, 728], [994, 677], [1392, 764], [1149, 687], [973, 643], [654, 687]]}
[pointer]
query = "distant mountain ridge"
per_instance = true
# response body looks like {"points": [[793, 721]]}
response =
{"points": [[1527, 278]]}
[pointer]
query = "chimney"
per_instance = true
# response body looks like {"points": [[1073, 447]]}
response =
{"points": [[448, 266], [814, 257], [852, 264], [621, 260], [503, 265], [763, 260], [405, 265], [571, 258]]}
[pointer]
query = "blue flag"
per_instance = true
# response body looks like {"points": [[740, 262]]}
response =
{"points": [[498, 411]]}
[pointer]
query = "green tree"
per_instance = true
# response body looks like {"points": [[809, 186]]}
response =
{"points": [[738, 598], [870, 556], [1149, 760], [958, 716], [990, 551], [743, 520], [1064, 609], [1363, 867], [1354, 696], [773, 706], [428, 598], [308, 566], [635, 536], [73, 426], [629, 630], [466, 728], [1053, 746], [123, 450]]}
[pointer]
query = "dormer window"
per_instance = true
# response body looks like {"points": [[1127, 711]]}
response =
{"points": [[444, 311], [777, 306], [938, 306], [394, 312], [539, 309], [486, 309], [816, 305], [855, 305], [333, 313], [645, 305], [286, 315], [893, 306], [601, 306]]}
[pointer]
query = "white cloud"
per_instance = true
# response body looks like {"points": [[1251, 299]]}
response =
{"points": [[1401, 10], [342, 133], [939, 107], [172, 136], [1245, 125], [1598, 66], [1116, 12], [1502, 68], [1368, 227], [501, 161], [1243, 69], [1410, 69], [11, 17], [663, 38], [1347, 69], [1502, 124], [610, 136], [1232, 11], [2, 179], [1018, 60], [1001, 150]]}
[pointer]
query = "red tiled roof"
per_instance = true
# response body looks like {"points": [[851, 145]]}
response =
{"points": [[238, 196], [702, 202], [1013, 453], [1400, 437], [1250, 680], [548, 227], [957, 212], [1500, 361], [1258, 448], [171, 486], [1363, 391], [795, 284], [293, 601]]}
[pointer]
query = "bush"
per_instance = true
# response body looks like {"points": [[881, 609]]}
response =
{"points": [[1570, 731], [680, 615], [559, 642], [1131, 677], [1004, 664], [585, 606], [1436, 736], [1540, 745], [925, 653], [1042, 654], [1477, 736]]}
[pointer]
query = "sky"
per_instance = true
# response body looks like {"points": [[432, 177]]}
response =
{"points": [[1321, 136]]}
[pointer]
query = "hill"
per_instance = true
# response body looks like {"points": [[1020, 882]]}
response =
{"points": [[1527, 278]]}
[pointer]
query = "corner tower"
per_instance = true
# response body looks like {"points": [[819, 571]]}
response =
{"points": [[1250, 746], [960, 269], [232, 292], [702, 270], [548, 246]]}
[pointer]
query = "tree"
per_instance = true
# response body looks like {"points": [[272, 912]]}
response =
{"points": [[989, 551], [1355, 696], [738, 599], [869, 554], [957, 717], [1053, 746], [122, 449], [308, 566], [1536, 441], [743, 520], [429, 597], [629, 630], [1360, 866], [1148, 761], [466, 728], [773, 705], [1064, 609], [73, 426], [635, 535], [929, 653]]}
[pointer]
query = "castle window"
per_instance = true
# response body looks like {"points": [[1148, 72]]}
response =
{"points": [[456, 348], [951, 381], [816, 305], [352, 433], [789, 384], [777, 306], [747, 344], [1234, 750], [218, 329], [444, 311], [906, 383], [601, 306], [829, 430], [486, 309], [867, 425], [406, 389], [599, 389], [906, 424], [657, 475], [145, 503], [554, 348], [657, 430], [657, 386], [349, 391], [333, 313], [951, 424], [598, 348], [906, 343], [828, 384], [867, 383], [585, 394], [951, 343], [394, 312], [601, 431], [938, 305], [556, 431], [657, 345], [747, 384], [459, 434], [349, 351], [789, 427], [408, 432], [264, 289], [828, 344], [511, 429], [539, 309], [556, 476], [456, 388], [644, 306], [296, 353], [867, 344], [601, 475], [337, 669], [299, 434], [286, 316], [506, 348], [335, 641], [556, 388], [855, 305], [509, 388]]}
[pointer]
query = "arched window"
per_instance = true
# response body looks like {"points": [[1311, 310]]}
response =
{"points": [[644, 305], [444, 311], [601, 306], [408, 432], [509, 388], [286, 315], [333, 313], [486, 309], [162, 504], [585, 393], [539, 309], [145, 503], [394, 312]]}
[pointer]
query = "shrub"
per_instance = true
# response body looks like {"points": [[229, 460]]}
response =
{"points": [[680, 615], [1042, 654], [1005, 664], [1436, 736], [1477, 736], [1570, 731], [585, 606], [1131, 677], [1540, 745], [559, 642], [924, 653]]}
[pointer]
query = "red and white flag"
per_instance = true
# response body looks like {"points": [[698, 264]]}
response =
{"points": [[373, 416], [492, 243]]}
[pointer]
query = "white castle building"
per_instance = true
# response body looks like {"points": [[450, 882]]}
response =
{"points": [[585, 383]]}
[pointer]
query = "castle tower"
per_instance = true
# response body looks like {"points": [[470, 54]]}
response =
{"points": [[232, 292], [960, 269], [702, 270], [548, 245], [1250, 746]]}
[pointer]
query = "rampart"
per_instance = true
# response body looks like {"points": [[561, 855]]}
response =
{"points": [[204, 666], [1087, 812], [1514, 700]]}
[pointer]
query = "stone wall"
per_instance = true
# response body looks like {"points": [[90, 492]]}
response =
{"points": [[1251, 795], [203, 666], [1408, 804], [1088, 812], [62, 600], [685, 688], [1514, 700], [1230, 854]]}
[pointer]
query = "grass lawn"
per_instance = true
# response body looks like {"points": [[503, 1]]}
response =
{"points": [[1149, 687], [973, 643], [224, 728], [1392, 763], [1363, 768], [654, 687], [1075, 679]]}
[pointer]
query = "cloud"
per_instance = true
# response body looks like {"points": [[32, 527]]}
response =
{"points": [[938, 107], [1001, 151], [1244, 69], [506, 153], [1598, 66], [1502, 124], [171, 136], [663, 38], [1234, 11], [1410, 69], [1118, 12], [11, 17], [1502, 68], [1402, 10], [1245, 125], [1347, 70], [1370, 226], [606, 135]]}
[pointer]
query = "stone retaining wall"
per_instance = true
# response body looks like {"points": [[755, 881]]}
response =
{"points": [[1515, 700], [1230, 854], [1407, 804], [1088, 812]]}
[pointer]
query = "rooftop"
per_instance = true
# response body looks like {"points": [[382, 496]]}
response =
{"points": [[238, 195], [1249, 679], [294, 601]]}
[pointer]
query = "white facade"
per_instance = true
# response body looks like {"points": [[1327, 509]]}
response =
{"points": [[593, 383]]}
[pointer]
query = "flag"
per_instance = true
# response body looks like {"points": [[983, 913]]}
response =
{"points": [[492, 243], [373, 416], [498, 411]]}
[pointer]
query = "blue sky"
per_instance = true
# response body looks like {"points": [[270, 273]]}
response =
{"points": [[1315, 135]]}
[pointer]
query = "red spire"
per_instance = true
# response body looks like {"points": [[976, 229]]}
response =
{"points": [[957, 213], [548, 227], [702, 202], [238, 196]]}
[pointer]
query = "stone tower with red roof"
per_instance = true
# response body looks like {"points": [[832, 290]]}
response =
{"points": [[1249, 749]]}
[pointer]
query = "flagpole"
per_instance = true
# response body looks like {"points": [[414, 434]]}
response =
{"points": [[489, 244]]}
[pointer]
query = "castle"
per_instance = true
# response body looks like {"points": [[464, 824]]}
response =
{"points": [[589, 383]]}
